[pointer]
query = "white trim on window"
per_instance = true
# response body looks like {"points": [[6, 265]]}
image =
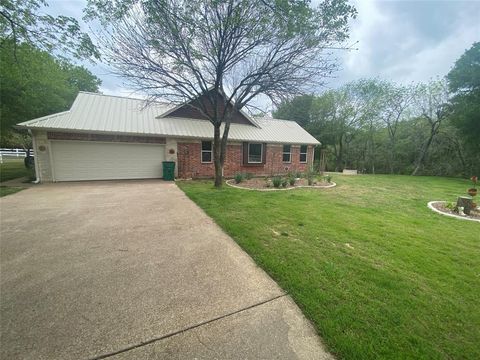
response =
{"points": [[261, 154], [289, 153], [303, 153], [206, 152]]}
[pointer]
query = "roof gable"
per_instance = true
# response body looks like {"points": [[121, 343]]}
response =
{"points": [[190, 110]]}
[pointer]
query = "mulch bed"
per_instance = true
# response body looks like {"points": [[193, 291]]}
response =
{"points": [[261, 184], [441, 206]]}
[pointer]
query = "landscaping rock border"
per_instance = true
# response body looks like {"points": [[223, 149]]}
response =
{"points": [[230, 183], [431, 207]]}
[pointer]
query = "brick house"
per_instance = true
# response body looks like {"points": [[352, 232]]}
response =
{"points": [[109, 137]]}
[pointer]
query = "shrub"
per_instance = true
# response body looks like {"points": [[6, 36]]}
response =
{"points": [[277, 181], [238, 178], [310, 175], [328, 178], [248, 176], [298, 175], [291, 181], [284, 183]]}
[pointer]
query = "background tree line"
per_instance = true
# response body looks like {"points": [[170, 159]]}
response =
{"points": [[378, 126], [38, 74]]}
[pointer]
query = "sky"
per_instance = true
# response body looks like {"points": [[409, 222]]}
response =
{"points": [[399, 40]]}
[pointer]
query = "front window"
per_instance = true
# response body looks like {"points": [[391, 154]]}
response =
{"points": [[287, 153], [206, 151], [255, 153], [303, 153]]}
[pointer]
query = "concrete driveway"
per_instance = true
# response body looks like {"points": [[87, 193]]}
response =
{"points": [[135, 270]]}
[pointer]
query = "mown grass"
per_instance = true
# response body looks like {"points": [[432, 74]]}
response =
{"points": [[12, 169], [7, 190], [379, 274]]}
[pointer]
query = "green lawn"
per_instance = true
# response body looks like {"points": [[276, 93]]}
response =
{"points": [[7, 190], [12, 169], [378, 273]]}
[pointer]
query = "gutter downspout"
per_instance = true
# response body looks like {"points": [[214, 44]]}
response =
{"points": [[37, 171]]}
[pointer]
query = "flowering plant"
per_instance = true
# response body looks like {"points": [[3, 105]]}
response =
{"points": [[474, 181]]}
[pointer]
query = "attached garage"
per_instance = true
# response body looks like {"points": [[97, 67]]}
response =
{"points": [[90, 160]]}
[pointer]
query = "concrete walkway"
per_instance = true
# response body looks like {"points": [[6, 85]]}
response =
{"points": [[135, 270]]}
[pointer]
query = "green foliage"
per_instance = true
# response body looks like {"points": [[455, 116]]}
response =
{"points": [[310, 176], [24, 21], [464, 82], [328, 178], [297, 109], [291, 180], [387, 277], [465, 75], [284, 183], [35, 84], [376, 126], [248, 176], [277, 181], [238, 178]]}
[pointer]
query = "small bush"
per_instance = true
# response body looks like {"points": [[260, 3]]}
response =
{"points": [[277, 181], [248, 176], [310, 175], [298, 175], [328, 178], [284, 183], [291, 181], [238, 178]]}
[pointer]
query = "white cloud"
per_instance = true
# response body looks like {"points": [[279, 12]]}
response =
{"points": [[409, 41]]}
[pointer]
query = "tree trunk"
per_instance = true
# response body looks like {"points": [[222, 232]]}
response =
{"points": [[425, 147], [339, 156], [392, 156], [217, 150]]}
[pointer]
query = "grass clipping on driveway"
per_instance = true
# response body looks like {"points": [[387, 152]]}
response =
{"points": [[378, 273]]}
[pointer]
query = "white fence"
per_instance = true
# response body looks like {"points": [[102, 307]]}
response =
{"points": [[13, 153]]}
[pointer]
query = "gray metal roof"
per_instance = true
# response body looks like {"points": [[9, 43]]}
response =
{"points": [[112, 114]]}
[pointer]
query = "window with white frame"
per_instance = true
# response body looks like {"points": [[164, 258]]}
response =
{"points": [[255, 153], [303, 153], [287, 153], [207, 153]]}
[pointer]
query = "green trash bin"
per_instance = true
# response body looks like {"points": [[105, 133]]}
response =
{"points": [[169, 170]]}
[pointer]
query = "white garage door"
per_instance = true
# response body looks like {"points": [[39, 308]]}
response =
{"points": [[88, 160]]}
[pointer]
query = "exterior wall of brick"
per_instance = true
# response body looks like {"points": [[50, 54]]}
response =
{"points": [[190, 165]]}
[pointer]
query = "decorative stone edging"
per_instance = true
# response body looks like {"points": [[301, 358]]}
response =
{"points": [[431, 207], [230, 183]]}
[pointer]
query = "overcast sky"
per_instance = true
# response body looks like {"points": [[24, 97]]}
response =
{"points": [[399, 40]]}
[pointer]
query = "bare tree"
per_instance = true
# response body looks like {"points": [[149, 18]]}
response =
{"points": [[432, 100], [395, 100], [24, 21], [211, 53]]}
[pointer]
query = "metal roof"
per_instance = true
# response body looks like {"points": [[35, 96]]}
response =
{"points": [[113, 114]]}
